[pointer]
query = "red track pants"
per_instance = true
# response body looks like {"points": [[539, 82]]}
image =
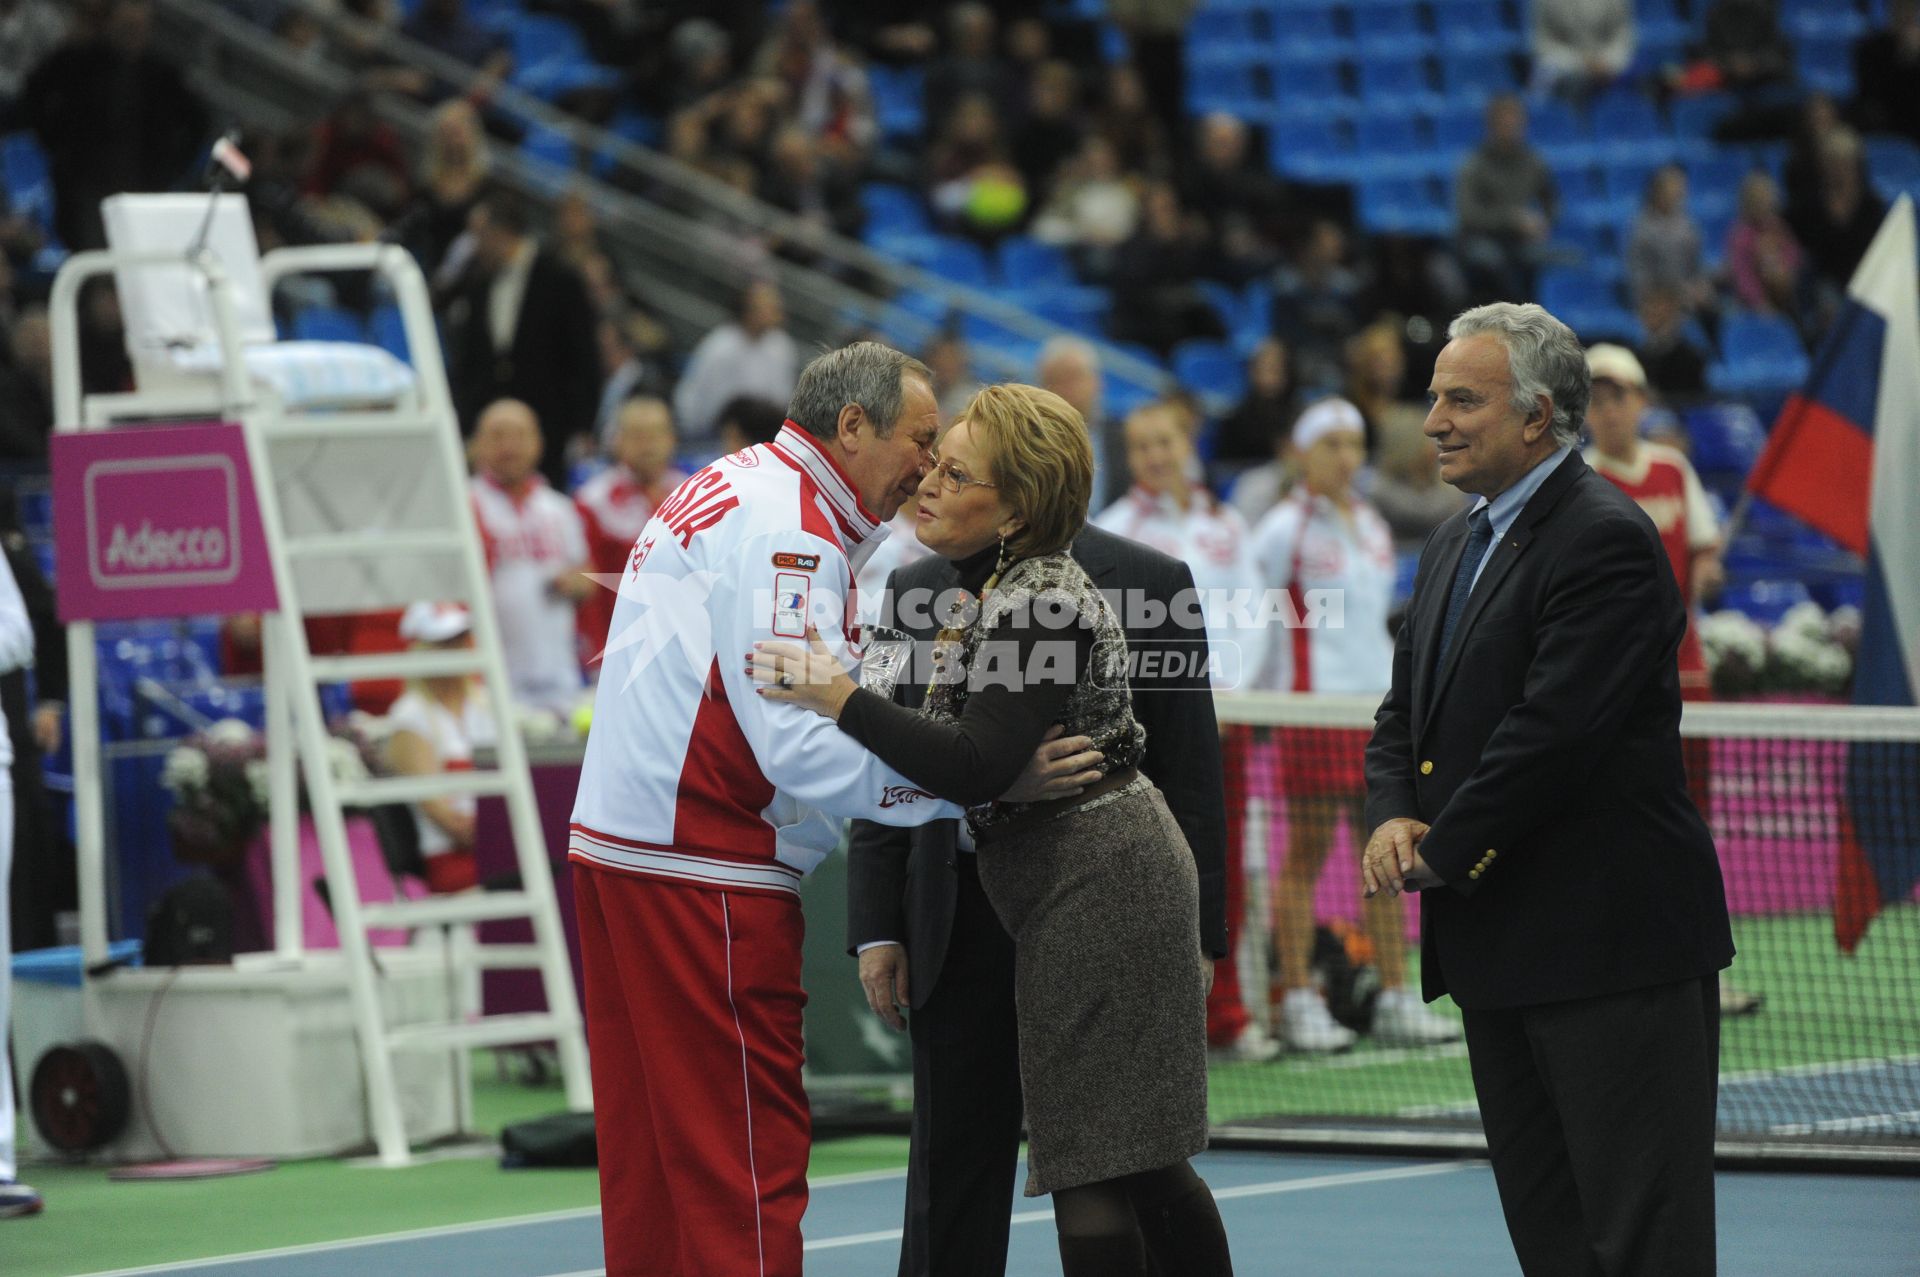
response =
{"points": [[693, 1021], [1226, 1009]]}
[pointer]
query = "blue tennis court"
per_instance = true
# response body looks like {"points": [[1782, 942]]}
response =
{"points": [[1286, 1214]]}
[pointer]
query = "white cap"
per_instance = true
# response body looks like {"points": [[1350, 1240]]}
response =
{"points": [[1616, 363], [433, 622], [1324, 418]]}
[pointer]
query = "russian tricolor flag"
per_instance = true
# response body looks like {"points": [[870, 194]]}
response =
{"points": [[1845, 457]]}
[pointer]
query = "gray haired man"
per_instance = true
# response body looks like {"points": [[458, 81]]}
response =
{"points": [[1525, 777]]}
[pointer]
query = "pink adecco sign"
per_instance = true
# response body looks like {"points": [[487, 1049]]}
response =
{"points": [[157, 521]]}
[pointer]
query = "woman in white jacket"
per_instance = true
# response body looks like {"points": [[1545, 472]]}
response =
{"points": [[1324, 537], [16, 652]]}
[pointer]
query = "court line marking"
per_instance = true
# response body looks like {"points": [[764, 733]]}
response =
{"points": [[433, 1231], [1271, 1188]]}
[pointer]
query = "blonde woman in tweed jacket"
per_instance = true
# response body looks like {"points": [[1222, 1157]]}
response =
{"points": [[1097, 889]]}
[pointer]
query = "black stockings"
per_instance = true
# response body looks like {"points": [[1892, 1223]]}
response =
{"points": [[1160, 1223]]}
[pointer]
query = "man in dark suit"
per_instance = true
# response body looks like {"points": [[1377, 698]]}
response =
{"points": [[524, 328], [928, 940], [1525, 775]]}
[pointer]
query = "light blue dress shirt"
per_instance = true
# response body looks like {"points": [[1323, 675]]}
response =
{"points": [[1506, 507]]}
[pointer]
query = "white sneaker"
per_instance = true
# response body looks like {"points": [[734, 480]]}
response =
{"points": [[1253, 1046], [1307, 1025], [1401, 1019]]}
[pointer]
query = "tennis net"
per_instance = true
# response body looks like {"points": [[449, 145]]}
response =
{"points": [[1815, 811]]}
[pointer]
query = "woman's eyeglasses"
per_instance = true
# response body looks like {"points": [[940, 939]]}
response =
{"points": [[954, 479]]}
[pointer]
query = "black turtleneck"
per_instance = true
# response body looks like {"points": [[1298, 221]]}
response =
{"points": [[1019, 683]]}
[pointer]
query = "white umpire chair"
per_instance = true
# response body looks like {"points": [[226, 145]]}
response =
{"points": [[362, 490]]}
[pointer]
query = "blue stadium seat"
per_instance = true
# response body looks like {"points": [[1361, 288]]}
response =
{"points": [[1458, 126], [1626, 180], [1578, 184], [893, 209], [961, 261], [1825, 21], [1213, 25], [1308, 79], [328, 323], [1894, 162], [1725, 437], [1475, 26], [388, 332], [1027, 263], [1826, 64], [1317, 31], [1221, 88], [1765, 601], [1758, 354], [1477, 79], [1224, 300], [1404, 206], [1586, 301], [1310, 149], [549, 145], [1626, 125], [1210, 367], [1391, 133], [23, 169], [1696, 117], [898, 99], [1394, 82], [549, 56], [1719, 172], [1080, 307], [1559, 132]]}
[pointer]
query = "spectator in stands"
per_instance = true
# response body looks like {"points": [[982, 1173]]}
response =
{"points": [[970, 66], [1317, 304], [538, 555], [1093, 210], [1745, 46], [1156, 37], [617, 502], [1241, 202], [1800, 176], [1675, 365], [1504, 203], [1260, 421], [1765, 264], [1886, 66], [1664, 246], [1049, 131], [971, 181], [953, 380], [1406, 485], [1581, 46], [1845, 212], [745, 421], [629, 367], [826, 92], [435, 727], [453, 176], [1662, 482], [1376, 374], [26, 388], [523, 328], [445, 27], [113, 116], [1169, 512], [1127, 119], [701, 63], [1070, 368], [811, 185], [1155, 300], [1325, 537], [29, 31], [355, 153], [753, 355]]}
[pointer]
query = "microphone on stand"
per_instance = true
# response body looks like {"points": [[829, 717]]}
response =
{"points": [[226, 162]]}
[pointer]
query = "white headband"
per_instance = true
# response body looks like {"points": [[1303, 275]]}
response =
{"points": [[1324, 418]]}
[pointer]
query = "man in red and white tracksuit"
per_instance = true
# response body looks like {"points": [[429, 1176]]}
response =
{"points": [[536, 555], [702, 805], [616, 503]]}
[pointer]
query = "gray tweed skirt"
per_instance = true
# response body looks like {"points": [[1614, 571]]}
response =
{"points": [[1103, 906]]}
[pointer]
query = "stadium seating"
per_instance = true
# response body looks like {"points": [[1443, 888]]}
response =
{"points": [[1759, 353], [1211, 368]]}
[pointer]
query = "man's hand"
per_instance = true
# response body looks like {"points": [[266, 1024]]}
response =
{"points": [[1391, 856], [883, 975], [1060, 768], [46, 727]]}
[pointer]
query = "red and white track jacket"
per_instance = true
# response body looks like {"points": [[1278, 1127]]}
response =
{"points": [[689, 776]]}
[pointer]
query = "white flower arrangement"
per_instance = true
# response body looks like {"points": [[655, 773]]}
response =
{"points": [[185, 768], [1806, 651]]}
